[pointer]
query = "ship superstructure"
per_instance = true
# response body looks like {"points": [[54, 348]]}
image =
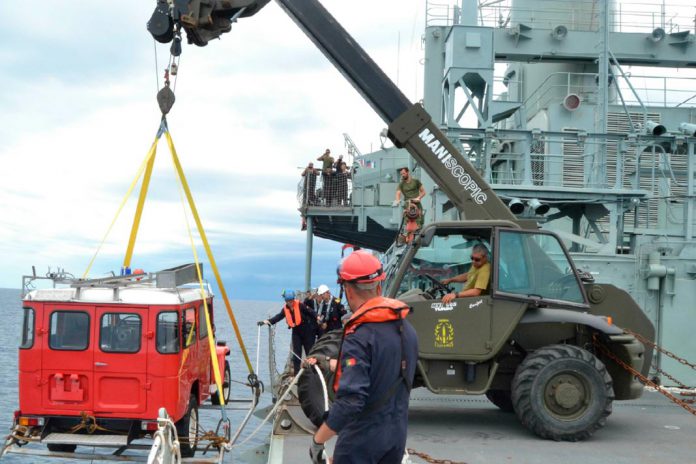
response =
{"points": [[582, 116]]}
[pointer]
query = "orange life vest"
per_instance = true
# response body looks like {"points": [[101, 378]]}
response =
{"points": [[378, 309], [295, 318]]}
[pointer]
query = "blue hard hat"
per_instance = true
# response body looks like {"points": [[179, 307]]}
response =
{"points": [[288, 295]]}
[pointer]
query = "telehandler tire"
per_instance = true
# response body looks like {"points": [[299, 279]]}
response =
{"points": [[562, 392], [309, 388]]}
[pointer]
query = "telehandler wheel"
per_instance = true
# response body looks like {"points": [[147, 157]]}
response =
{"points": [[187, 429], [60, 448], [226, 388], [501, 398], [309, 388], [562, 392]]}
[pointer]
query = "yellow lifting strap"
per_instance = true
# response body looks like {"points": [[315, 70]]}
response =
{"points": [[139, 208], [147, 162], [146, 167], [208, 251]]}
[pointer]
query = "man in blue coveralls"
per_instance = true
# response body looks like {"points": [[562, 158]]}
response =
{"points": [[374, 372], [303, 322]]}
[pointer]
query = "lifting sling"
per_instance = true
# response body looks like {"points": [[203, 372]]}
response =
{"points": [[145, 171]]}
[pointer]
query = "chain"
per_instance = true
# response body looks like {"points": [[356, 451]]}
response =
{"points": [[678, 383], [427, 458], [641, 377], [670, 377], [660, 349]]}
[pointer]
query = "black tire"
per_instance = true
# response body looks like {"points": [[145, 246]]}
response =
{"points": [[562, 392], [226, 382], [309, 388], [60, 448], [187, 429], [501, 398]]}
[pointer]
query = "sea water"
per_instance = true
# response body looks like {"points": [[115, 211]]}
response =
{"points": [[247, 314]]}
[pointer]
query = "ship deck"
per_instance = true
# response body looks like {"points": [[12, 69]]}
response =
{"points": [[471, 430]]}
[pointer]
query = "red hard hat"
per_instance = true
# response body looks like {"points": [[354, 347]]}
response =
{"points": [[360, 267]]}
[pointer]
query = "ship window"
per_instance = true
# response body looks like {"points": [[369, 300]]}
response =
{"points": [[201, 322], [27, 329], [69, 331], [120, 333], [189, 327], [168, 332]]}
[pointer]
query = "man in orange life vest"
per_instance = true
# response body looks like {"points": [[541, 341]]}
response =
{"points": [[303, 322], [374, 372]]}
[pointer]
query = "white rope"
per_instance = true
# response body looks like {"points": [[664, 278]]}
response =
{"points": [[275, 408], [323, 387]]}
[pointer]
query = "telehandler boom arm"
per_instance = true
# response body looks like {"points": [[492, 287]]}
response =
{"points": [[409, 125]]}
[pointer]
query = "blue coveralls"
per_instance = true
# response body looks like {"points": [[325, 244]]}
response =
{"points": [[371, 364], [303, 335]]}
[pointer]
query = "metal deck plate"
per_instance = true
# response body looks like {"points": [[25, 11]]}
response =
{"points": [[86, 440]]}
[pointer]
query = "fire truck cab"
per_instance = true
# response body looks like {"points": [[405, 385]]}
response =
{"points": [[99, 360]]}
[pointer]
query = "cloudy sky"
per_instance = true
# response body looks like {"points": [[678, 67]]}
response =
{"points": [[78, 114]]}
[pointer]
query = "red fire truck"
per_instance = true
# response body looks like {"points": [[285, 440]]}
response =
{"points": [[98, 359]]}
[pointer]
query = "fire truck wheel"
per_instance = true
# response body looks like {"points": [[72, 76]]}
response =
{"points": [[187, 429], [215, 398], [59, 448]]}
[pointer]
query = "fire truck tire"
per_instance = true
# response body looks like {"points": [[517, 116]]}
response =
{"points": [[309, 388], [226, 389], [501, 398], [562, 392], [60, 448], [187, 429]]}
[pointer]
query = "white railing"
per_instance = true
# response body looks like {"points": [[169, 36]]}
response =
{"points": [[579, 15], [652, 91]]}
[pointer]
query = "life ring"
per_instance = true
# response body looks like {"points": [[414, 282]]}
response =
{"points": [[309, 388]]}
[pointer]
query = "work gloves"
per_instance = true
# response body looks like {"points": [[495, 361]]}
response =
{"points": [[317, 453]]}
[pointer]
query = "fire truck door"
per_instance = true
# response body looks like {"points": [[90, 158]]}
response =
{"points": [[67, 359], [120, 360]]}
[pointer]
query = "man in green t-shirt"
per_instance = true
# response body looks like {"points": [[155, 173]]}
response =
{"points": [[412, 189], [476, 279]]}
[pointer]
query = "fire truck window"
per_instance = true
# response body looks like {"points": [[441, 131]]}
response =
{"points": [[28, 329], [201, 322], [189, 327], [168, 332], [69, 331], [120, 333]]}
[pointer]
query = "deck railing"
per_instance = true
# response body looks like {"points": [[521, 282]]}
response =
{"points": [[331, 189], [578, 15]]}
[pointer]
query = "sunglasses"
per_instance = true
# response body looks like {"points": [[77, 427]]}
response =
{"points": [[476, 259]]}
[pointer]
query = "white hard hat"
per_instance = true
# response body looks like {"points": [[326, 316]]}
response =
{"points": [[322, 289]]}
